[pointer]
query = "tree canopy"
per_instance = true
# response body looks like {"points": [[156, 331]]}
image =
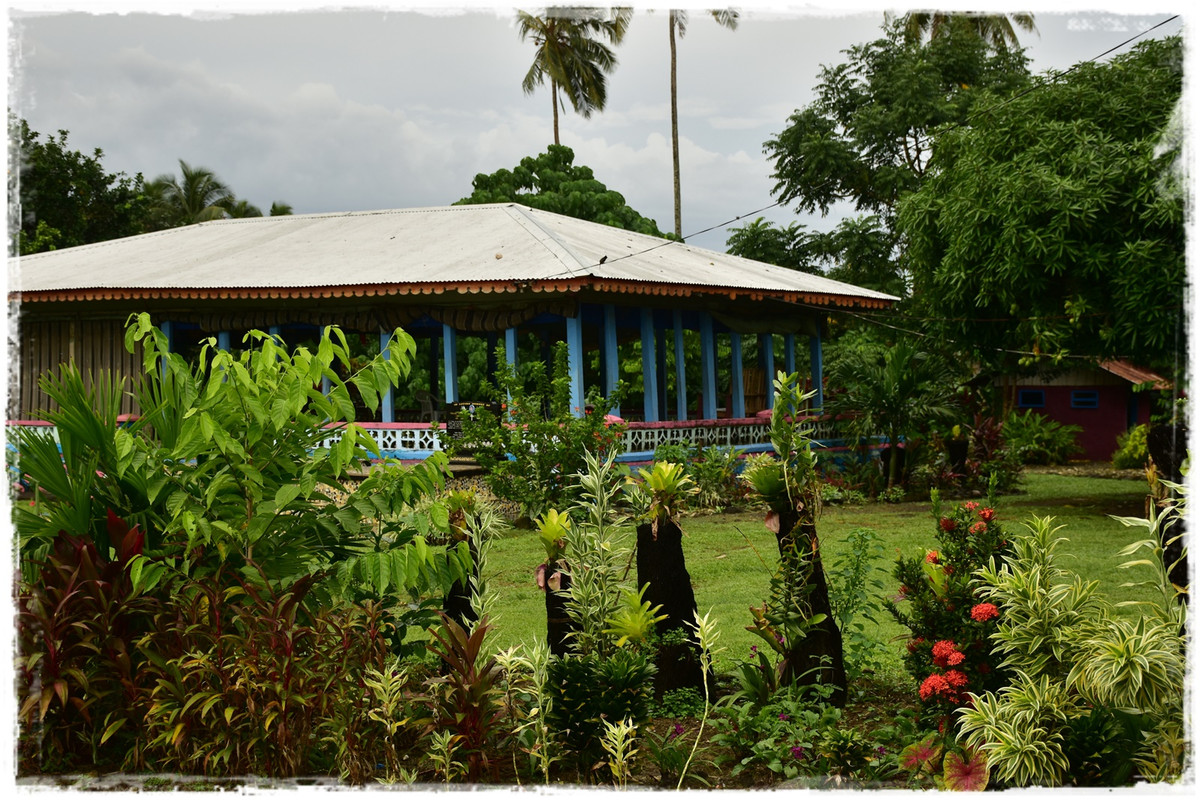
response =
{"points": [[1054, 224], [551, 181], [867, 137], [68, 199]]}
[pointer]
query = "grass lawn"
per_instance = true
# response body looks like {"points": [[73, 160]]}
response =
{"points": [[731, 556]]}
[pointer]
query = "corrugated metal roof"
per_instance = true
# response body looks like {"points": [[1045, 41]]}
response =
{"points": [[479, 248], [1135, 374]]}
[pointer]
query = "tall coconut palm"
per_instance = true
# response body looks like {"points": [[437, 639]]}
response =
{"points": [[995, 29], [572, 55], [240, 209], [678, 20], [197, 196]]}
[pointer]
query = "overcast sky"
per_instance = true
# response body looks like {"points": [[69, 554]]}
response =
{"points": [[392, 108]]}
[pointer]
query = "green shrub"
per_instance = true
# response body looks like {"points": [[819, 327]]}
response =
{"points": [[949, 652], [1097, 699], [1132, 452], [1037, 439], [531, 442]]}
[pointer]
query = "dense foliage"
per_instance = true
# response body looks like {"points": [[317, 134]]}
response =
{"points": [[551, 181], [1053, 225], [68, 199]]}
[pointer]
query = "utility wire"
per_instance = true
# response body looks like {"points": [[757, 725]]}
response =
{"points": [[921, 142]]}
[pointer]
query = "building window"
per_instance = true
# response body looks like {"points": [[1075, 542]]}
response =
{"points": [[1031, 398], [1089, 398]]}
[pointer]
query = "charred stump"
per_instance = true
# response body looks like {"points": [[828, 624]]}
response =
{"points": [[1167, 445], [555, 583], [661, 571], [818, 658]]}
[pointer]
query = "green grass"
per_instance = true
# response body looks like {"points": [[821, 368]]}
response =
{"points": [[730, 556]]}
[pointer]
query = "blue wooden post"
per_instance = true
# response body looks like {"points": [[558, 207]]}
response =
{"points": [[660, 356], [433, 365], [681, 400], [575, 361], [387, 405], [510, 346], [612, 355], [223, 340], [708, 367], [168, 330], [450, 360], [510, 358], [737, 384], [275, 331], [789, 353], [767, 344], [649, 364], [814, 350]]}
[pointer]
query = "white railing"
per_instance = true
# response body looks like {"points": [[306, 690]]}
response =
{"points": [[414, 440]]}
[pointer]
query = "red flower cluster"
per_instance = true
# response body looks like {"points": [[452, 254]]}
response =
{"points": [[944, 687], [970, 505], [913, 644], [945, 654], [947, 524], [984, 611], [987, 514], [932, 556], [978, 528]]}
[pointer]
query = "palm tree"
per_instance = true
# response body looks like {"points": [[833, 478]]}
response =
{"points": [[891, 391], [280, 209], [995, 29], [198, 196], [240, 209], [726, 18], [571, 55]]}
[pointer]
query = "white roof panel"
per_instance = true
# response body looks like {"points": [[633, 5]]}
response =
{"points": [[451, 244]]}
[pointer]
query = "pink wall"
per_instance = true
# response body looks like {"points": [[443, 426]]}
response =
{"points": [[1101, 425]]}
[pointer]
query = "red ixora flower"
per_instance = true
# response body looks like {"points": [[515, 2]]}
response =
{"points": [[970, 505], [932, 556], [987, 514], [956, 678], [945, 654], [978, 528], [984, 611], [946, 524], [935, 686]]}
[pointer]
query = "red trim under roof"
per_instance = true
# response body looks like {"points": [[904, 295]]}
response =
{"points": [[570, 285]]}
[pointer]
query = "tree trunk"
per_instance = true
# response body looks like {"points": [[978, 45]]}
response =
{"points": [[661, 570], [1167, 445], [675, 133], [554, 105], [818, 657], [558, 622]]}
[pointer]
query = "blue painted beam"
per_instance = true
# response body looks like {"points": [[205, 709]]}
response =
{"points": [[649, 367], [660, 356], [575, 361], [789, 353], [737, 382], [223, 340], [708, 367], [814, 350], [681, 399], [612, 355], [387, 403], [510, 346], [450, 362]]}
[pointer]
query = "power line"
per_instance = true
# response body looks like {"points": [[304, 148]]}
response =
{"points": [[928, 137]]}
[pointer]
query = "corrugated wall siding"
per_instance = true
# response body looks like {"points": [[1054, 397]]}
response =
{"points": [[91, 344]]}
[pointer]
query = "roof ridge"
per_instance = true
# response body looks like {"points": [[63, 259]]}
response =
{"points": [[521, 214]]}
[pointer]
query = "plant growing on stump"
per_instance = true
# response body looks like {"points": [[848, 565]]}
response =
{"points": [[554, 579], [662, 574], [797, 621]]}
